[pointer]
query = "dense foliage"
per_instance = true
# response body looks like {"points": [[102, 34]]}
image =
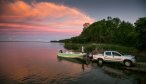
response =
{"points": [[114, 31], [100, 48], [140, 26]]}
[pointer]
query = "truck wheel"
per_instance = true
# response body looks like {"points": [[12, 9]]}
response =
{"points": [[127, 63], [100, 61]]}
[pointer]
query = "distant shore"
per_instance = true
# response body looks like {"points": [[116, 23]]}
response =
{"points": [[55, 41]]}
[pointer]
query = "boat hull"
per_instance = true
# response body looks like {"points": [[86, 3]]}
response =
{"points": [[68, 55]]}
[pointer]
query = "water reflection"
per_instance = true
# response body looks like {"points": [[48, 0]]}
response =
{"points": [[122, 74], [118, 73], [37, 63], [84, 63]]}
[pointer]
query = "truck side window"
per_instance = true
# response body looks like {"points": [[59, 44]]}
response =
{"points": [[108, 53], [116, 54]]}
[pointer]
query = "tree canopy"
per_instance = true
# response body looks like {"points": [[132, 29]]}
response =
{"points": [[140, 26], [114, 31]]}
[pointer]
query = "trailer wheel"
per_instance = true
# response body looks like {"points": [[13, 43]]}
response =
{"points": [[100, 61]]}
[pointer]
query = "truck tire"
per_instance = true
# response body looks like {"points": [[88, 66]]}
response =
{"points": [[127, 63], [100, 61]]}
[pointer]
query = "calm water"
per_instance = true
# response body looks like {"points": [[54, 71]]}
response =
{"points": [[37, 63]]}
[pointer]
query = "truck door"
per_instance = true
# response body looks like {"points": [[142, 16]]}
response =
{"points": [[116, 56], [108, 56]]}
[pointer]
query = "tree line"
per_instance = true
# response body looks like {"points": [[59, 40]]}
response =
{"points": [[114, 31]]}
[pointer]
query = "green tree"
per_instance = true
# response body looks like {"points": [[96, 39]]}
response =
{"points": [[140, 26], [125, 34], [110, 30]]}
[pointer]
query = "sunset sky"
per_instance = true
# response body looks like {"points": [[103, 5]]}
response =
{"points": [[45, 20]]}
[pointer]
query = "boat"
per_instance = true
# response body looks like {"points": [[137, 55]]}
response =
{"points": [[71, 54], [73, 60]]}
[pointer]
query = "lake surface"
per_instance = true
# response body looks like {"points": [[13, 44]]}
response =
{"points": [[37, 63]]}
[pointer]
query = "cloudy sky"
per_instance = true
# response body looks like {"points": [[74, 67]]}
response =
{"points": [[59, 19]]}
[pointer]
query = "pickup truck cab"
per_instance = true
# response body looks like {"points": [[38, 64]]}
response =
{"points": [[114, 56]]}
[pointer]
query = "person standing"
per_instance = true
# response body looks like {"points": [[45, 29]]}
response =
{"points": [[82, 49]]}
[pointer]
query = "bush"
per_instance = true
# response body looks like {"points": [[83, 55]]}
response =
{"points": [[71, 46], [90, 48], [101, 47]]}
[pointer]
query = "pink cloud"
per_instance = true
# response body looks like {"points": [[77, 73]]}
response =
{"points": [[43, 16], [33, 28]]}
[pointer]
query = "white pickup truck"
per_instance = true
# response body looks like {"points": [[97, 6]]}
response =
{"points": [[114, 56]]}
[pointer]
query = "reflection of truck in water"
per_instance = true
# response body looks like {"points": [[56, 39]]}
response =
{"points": [[114, 56]]}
